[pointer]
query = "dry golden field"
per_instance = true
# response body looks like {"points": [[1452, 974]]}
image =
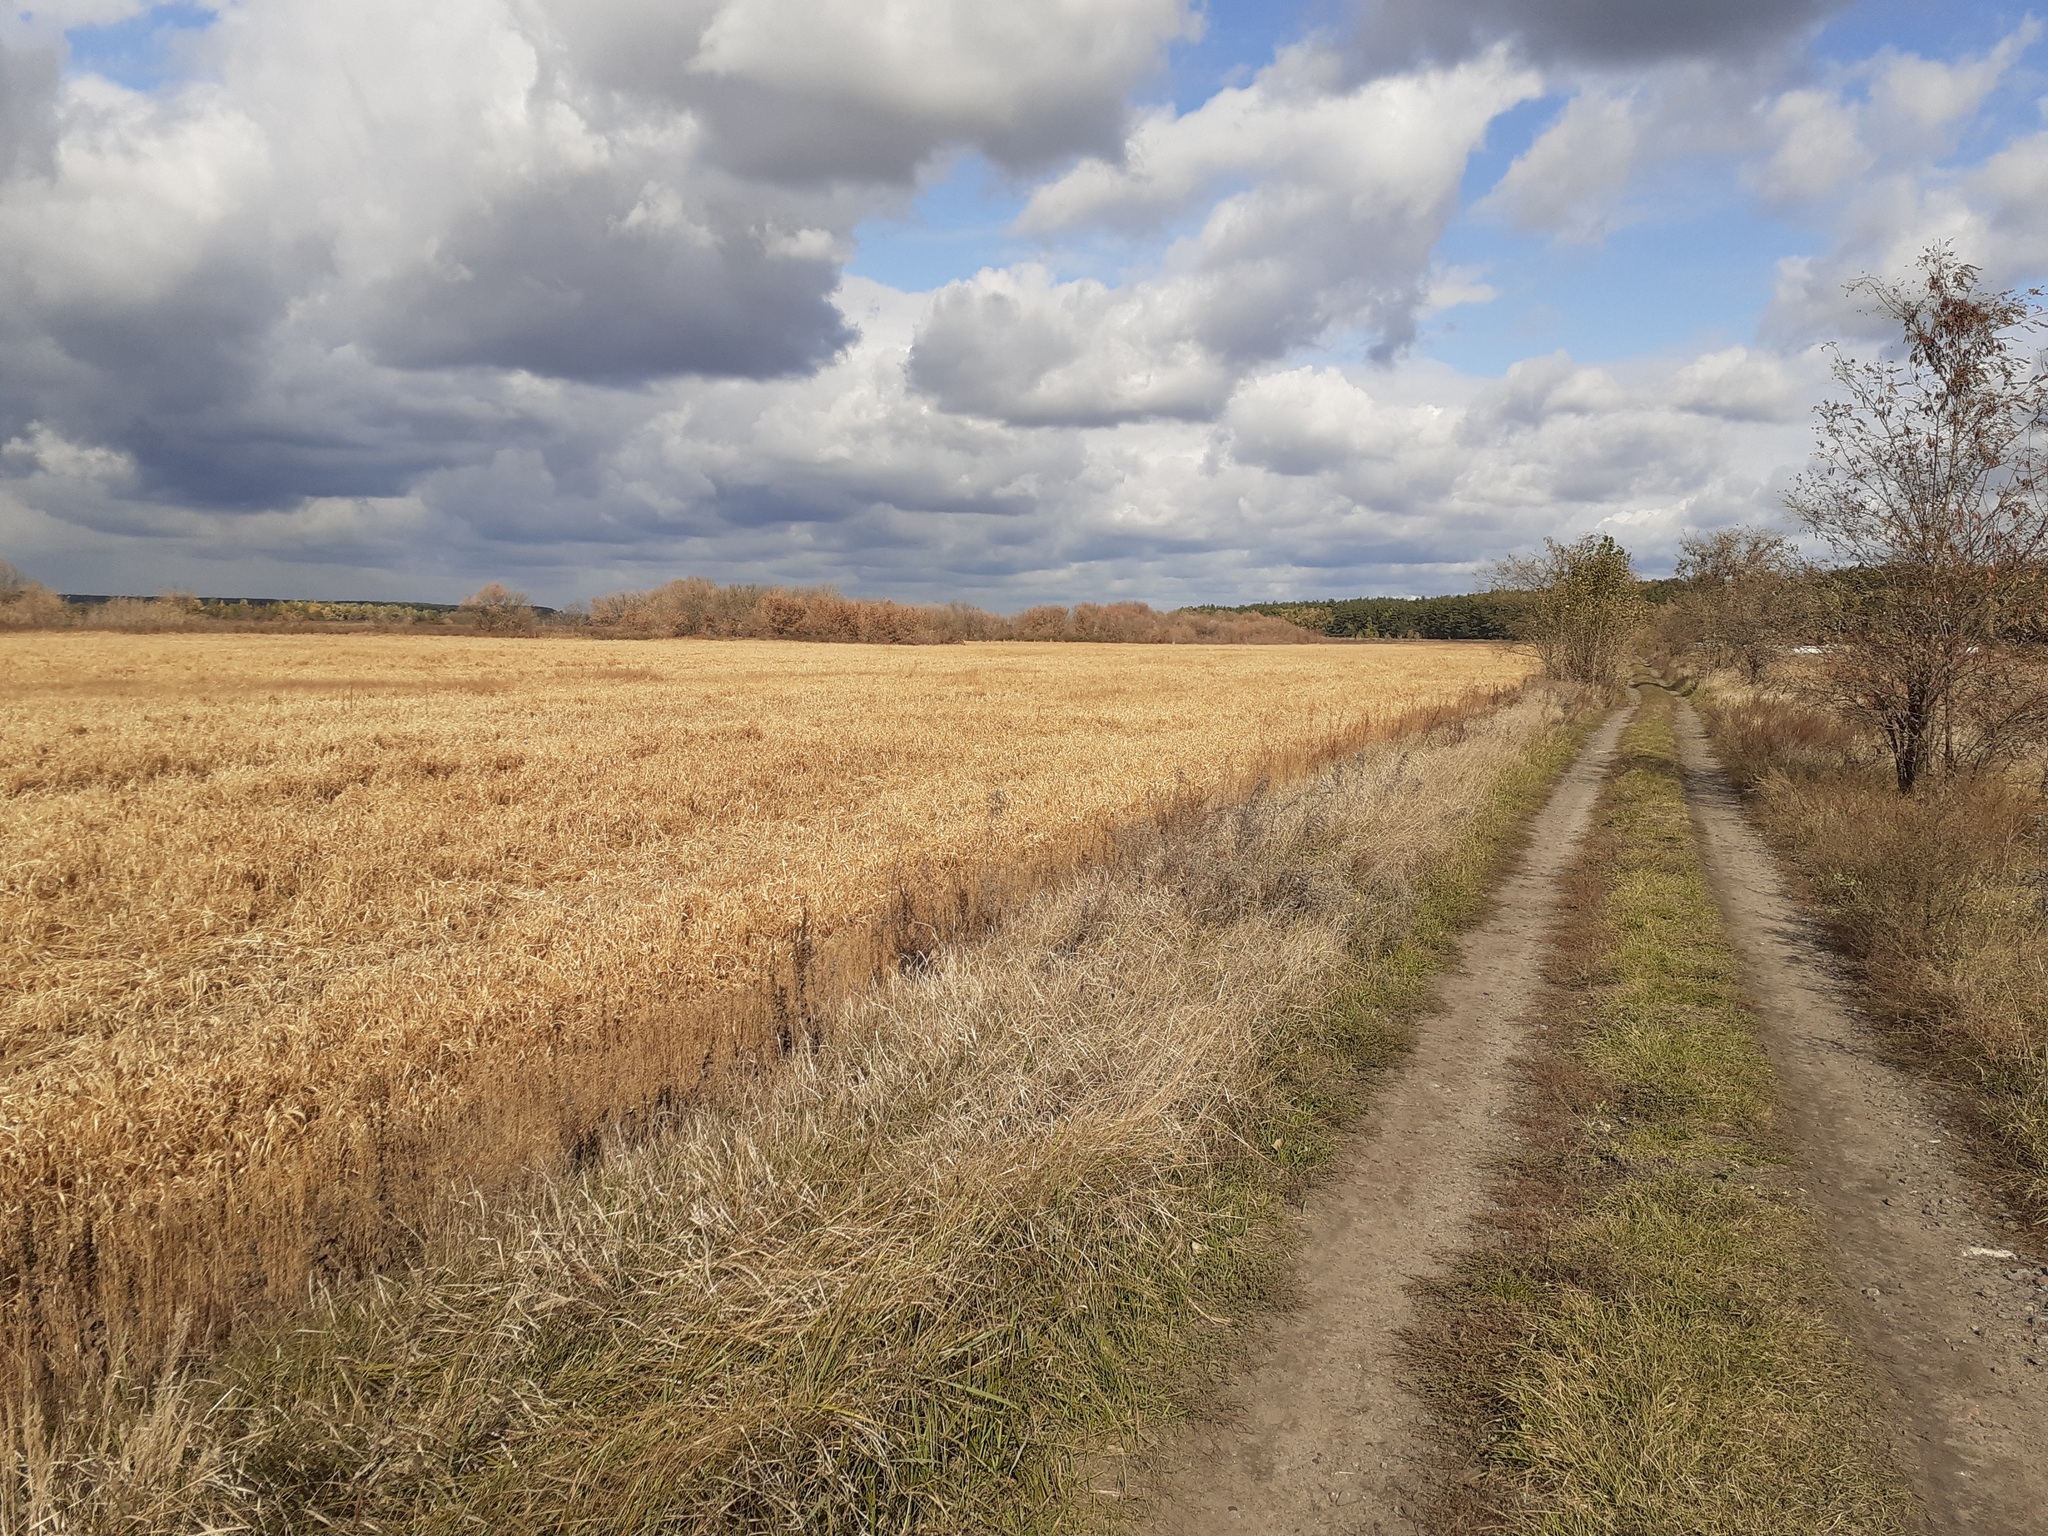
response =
{"points": [[300, 934]]}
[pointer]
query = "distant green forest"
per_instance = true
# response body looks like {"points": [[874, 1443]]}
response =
{"points": [[1467, 616]]}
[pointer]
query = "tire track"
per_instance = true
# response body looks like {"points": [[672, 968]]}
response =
{"points": [[1319, 1436], [1924, 1290]]}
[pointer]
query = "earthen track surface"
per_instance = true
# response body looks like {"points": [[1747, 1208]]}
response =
{"points": [[1319, 1434]]}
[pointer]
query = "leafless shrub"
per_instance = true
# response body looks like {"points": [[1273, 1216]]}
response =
{"points": [[1047, 622], [143, 615], [27, 604], [1749, 596], [696, 606]]}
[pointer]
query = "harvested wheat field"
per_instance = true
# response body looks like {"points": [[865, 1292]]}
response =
{"points": [[303, 934]]}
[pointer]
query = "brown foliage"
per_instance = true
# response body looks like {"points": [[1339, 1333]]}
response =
{"points": [[498, 609], [1043, 623], [696, 606], [26, 604]]}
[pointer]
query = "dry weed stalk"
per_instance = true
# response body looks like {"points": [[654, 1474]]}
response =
{"points": [[298, 936], [879, 1289]]}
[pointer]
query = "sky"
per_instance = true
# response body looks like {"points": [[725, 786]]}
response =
{"points": [[1067, 300]]}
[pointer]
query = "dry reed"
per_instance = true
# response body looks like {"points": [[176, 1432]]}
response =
{"points": [[303, 934], [896, 1285]]}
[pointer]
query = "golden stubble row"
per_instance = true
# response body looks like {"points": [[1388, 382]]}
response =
{"points": [[302, 934]]}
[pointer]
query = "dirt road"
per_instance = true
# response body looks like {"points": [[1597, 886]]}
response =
{"points": [[1926, 1290], [1319, 1436]]}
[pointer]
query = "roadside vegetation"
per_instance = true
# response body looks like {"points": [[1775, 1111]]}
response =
{"points": [[924, 1275], [1939, 899], [1647, 1345], [1888, 714], [1582, 608]]}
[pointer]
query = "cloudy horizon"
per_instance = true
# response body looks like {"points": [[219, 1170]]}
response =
{"points": [[1085, 300]]}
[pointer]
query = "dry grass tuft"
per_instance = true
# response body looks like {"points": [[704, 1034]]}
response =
{"points": [[910, 1280], [299, 938]]}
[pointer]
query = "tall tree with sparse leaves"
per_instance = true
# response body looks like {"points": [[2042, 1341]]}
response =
{"points": [[1930, 483]]}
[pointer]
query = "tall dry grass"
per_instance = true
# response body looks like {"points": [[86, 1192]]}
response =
{"points": [[910, 1282], [1939, 898], [300, 936]]}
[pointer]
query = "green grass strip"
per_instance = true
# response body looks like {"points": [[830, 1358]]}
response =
{"points": [[1651, 1348]]}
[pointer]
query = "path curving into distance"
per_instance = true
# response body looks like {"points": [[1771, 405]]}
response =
{"points": [[1318, 1435], [1926, 1292]]}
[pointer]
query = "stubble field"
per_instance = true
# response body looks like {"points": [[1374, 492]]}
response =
{"points": [[299, 935]]}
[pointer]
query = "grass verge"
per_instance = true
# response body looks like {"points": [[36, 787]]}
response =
{"points": [[921, 1280], [1648, 1346]]}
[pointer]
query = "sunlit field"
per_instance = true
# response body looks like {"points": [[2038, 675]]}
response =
{"points": [[301, 934]]}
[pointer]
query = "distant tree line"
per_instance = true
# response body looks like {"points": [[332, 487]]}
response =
{"points": [[697, 607], [693, 607], [1470, 616]]}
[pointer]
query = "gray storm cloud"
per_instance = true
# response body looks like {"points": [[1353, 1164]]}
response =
{"points": [[612, 192], [388, 298], [1398, 33]]}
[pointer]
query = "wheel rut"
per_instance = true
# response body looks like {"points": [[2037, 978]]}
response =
{"points": [[1319, 1435], [1925, 1289]]}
